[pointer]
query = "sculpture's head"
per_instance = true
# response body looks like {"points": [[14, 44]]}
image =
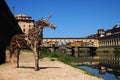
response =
{"points": [[45, 23]]}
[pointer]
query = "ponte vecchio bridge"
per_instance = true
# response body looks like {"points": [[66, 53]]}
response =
{"points": [[79, 42], [72, 43]]}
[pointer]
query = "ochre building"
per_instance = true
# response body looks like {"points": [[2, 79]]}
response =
{"points": [[25, 22]]}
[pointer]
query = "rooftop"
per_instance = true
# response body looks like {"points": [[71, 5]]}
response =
{"points": [[23, 17]]}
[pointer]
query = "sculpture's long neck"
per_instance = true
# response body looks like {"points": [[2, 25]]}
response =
{"points": [[35, 34], [41, 32]]}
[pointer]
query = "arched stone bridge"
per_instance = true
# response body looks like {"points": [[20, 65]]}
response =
{"points": [[79, 42]]}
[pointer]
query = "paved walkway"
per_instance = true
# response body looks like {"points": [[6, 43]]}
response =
{"points": [[49, 70]]}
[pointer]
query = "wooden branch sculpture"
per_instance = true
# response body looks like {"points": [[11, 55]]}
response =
{"points": [[32, 40]]}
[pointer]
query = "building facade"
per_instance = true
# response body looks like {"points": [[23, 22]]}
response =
{"points": [[25, 22], [110, 38]]}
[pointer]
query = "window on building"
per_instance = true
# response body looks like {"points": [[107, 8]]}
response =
{"points": [[23, 25], [23, 30], [29, 25]]}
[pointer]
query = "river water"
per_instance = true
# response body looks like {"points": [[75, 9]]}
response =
{"points": [[106, 75]]}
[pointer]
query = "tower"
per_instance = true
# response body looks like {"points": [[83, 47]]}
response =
{"points": [[101, 32]]}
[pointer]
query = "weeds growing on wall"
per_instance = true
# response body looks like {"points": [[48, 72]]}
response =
{"points": [[117, 52]]}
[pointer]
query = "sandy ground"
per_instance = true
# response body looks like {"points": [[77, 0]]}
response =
{"points": [[49, 70]]}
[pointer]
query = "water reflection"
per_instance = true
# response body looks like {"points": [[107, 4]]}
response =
{"points": [[106, 71], [106, 76]]}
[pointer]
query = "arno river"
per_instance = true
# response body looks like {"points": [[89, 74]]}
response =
{"points": [[108, 70]]}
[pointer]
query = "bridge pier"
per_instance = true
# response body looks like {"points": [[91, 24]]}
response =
{"points": [[92, 51], [76, 51], [51, 49]]}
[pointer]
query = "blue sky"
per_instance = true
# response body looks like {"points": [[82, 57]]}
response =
{"points": [[73, 18]]}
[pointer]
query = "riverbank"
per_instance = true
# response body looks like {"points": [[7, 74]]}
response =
{"points": [[49, 70]]}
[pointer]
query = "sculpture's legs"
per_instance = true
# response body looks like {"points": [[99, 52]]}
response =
{"points": [[36, 59], [11, 56], [38, 56], [18, 58], [36, 63]]}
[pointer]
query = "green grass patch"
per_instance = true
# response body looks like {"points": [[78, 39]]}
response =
{"points": [[67, 60]]}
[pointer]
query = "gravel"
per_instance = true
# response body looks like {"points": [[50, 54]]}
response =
{"points": [[49, 70]]}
